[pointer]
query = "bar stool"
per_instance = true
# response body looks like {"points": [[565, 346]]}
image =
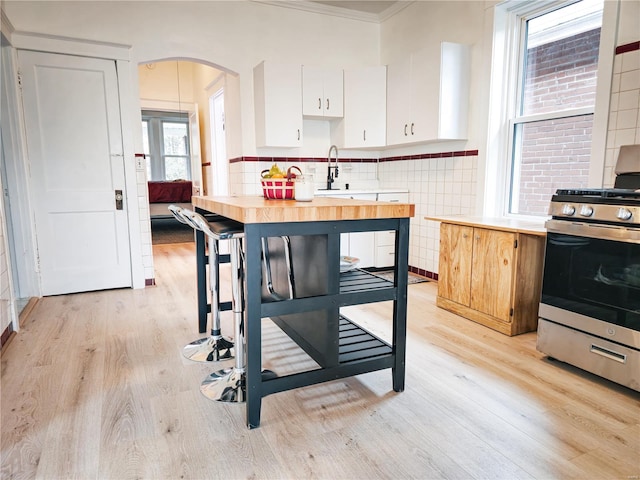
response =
{"points": [[229, 385], [214, 348]]}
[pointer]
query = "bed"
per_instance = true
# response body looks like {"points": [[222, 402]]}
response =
{"points": [[164, 193]]}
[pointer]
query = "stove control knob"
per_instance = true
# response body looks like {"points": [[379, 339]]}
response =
{"points": [[586, 210], [624, 214], [568, 209]]}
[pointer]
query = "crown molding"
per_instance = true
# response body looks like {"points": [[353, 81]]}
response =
{"points": [[330, 10], [6, 28]]}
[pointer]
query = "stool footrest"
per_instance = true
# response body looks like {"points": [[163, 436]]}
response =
{"points": [[215, 348]]}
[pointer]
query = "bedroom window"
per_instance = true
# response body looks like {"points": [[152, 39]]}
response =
{"points": [[165, 137], [546, 86]]}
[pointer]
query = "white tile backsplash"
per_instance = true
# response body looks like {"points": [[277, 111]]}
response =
{"points": [[624, 119]]}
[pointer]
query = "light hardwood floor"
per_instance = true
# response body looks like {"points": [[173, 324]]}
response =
{"points": [[95, 387]]}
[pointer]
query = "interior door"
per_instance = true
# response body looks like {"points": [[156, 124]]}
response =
{"points": [[74, 140]]}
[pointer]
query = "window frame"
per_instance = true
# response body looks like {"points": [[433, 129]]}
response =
{"points": [[157, 156], [508, 31]]}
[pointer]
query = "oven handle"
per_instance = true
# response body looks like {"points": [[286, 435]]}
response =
{"points": [[610, 354], [594, 230]]}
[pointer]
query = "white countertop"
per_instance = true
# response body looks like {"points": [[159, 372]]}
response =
{"points": [[359, 191]]}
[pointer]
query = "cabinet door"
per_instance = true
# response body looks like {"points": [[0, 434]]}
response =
{"points": [[362, 244], [278, 105], [386, 240], [424, 87], [428, 95], [398, 101], [492, 272], [365, 107], [454, 269], [333, 92], [322, 92], [312, 92]]}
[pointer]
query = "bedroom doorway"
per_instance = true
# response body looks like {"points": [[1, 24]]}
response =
{"points": [[175, 110]]}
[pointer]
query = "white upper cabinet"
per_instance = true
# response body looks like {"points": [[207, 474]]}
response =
{"points": [[428, 95], [278, 104], [365, 109], [322, 93]]}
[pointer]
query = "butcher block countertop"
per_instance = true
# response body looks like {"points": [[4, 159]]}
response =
{"points": [[256, 209], [504, 224]]}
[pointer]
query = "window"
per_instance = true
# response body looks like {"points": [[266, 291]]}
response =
{"points": [[552, 87], [165, 137]]}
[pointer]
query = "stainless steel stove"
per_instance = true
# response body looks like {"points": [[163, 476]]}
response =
{"points": [[590, 306]]}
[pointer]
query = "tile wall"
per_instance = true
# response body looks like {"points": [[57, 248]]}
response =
{"points": [[358, 173], [438, 183], [624, 114]]}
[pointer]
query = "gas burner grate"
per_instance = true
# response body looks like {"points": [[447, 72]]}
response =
{"points": [[600, 192]]}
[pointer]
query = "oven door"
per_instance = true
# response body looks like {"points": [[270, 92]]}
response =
{"points": [[591, 280]]}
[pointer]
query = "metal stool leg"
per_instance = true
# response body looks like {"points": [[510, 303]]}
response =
{"points": [[214, 348], [228, 385]]}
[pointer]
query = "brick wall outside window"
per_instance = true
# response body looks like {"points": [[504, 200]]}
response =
{"points": [[556, 153]]}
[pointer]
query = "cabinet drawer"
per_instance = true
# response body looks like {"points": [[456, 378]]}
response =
{"points": [[385, 238], [393, 197], [385, 256]]}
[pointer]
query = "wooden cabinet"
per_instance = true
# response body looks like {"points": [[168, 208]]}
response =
{"points": [[322, 93], [491, 276], [428, 95], [278, 105], [365, 106]]}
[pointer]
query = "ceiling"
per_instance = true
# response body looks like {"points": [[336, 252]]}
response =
{"points": [[365, 10], [376, 7]]}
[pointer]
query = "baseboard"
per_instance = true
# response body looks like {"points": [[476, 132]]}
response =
{"points": [[9, 333], [6, 336]]}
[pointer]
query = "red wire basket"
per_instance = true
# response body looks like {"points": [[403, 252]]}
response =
{"points": [[279, 188]]}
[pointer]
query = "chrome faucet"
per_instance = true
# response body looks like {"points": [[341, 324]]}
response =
{"points": [[331, 176]]}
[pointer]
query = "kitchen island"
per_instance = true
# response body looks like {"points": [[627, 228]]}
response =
{"points": [[310, 314]]}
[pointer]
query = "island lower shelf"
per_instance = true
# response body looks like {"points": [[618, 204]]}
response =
{"points": [[339, 346]]}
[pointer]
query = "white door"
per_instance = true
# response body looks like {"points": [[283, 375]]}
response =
{"points": [[74, 142], [194, 149]]}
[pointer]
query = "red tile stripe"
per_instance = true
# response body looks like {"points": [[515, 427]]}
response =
{"points": [[421, 156], [629, 47]]}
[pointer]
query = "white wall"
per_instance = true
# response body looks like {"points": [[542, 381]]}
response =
{"points": [[234, 35]]}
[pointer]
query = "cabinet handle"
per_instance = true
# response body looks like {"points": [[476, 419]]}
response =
{"points": [[319, 104], [364, 135], [327, 104], [465, 235], [405, 129], [412, 129], [298, 134]]}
